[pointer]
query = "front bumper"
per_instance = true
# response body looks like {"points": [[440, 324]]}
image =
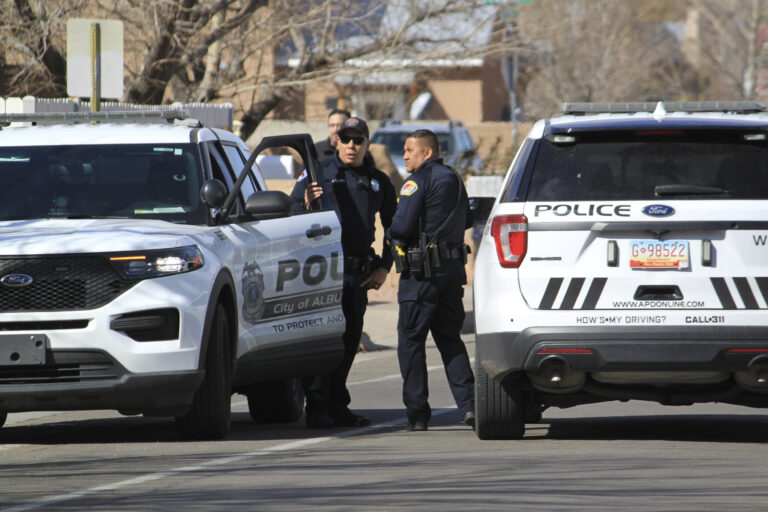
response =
{"points": [[80, 380]]}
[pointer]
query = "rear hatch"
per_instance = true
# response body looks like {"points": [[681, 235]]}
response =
{"points": [[648, 219]]}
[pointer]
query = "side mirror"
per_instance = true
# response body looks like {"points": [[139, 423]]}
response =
{"points": [[269, 204], [474, 205], [213, 193]]}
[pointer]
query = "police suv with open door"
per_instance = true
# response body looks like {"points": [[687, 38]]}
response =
{"points": [[626, 257], [144, 267]]}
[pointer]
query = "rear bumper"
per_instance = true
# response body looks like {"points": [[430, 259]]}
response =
{"points": [[724, 349]]}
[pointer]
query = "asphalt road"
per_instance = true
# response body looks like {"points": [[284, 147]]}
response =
{"points": [[610, 456]]}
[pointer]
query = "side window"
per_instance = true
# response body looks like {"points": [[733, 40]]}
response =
{"points": [[466, 140], [237, 162], [219, 168], [222, 172]]}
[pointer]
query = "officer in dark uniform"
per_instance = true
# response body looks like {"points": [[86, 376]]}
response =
{"points": [[327, 147], [357, 191], [427, 235]]}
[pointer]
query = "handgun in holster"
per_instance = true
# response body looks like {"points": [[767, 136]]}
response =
{"points": [[422, 256], [433, 249], [400, 255]]}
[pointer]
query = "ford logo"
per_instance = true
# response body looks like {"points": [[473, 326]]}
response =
{"points": [[658, 210], [17, 280]]}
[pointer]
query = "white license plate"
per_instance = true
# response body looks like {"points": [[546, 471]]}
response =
{"points": [[658, 254]]}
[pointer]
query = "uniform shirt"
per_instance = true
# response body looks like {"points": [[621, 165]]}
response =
{"points": [[356, 194], [427, 198], [324, 149]]}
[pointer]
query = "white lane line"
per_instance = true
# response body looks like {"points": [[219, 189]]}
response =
{"points": [[159, 475], [163, 474]]}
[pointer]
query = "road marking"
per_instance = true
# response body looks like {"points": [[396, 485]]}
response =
{"points": [[52, 500], [159, 475]]}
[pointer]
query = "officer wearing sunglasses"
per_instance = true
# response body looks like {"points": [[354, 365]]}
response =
{"points": [[357, 191]]}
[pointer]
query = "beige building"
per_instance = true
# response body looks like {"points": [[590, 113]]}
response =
{"points": [[472, 90]]}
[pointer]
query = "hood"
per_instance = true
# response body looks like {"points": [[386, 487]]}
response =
{"points": [[70, 236]]}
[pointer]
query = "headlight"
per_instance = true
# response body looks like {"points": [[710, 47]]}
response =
{"points": [[157, 263]]}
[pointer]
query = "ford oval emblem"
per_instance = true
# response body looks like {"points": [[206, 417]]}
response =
{"points": [[658, 210], [17, 280]]}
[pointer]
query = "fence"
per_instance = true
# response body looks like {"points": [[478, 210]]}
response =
{"points": [[216, 115]]}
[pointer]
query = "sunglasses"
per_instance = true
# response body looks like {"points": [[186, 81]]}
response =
{"points": [[358, 140]]}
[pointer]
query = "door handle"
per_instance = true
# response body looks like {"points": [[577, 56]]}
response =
{"points": [[318, 230]]}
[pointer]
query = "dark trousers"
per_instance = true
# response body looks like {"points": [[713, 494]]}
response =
{"points": [[433, 305], [328, 394]]}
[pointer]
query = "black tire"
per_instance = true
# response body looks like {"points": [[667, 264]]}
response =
{"points": [[498, 406], [3, 417], [279, 401], [211, 411]]}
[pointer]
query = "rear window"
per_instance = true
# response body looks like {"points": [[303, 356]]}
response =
{"points": [[395, 141], [649, 164]]}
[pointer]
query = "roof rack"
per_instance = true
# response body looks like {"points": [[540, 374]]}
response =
{"points": [[735, 107], [169, 115]]}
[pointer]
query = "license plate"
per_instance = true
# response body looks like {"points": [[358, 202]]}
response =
{"points": [[658, 254], [22, 349]]}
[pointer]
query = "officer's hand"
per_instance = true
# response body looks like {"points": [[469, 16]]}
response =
{"points": [[312, 192], [375, 280]]}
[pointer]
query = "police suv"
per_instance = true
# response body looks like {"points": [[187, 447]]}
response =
{"points": [[146, 268], [626, 257]]}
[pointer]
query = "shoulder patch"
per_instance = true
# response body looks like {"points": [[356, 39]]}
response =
{"points": [[302, 175], [409, 187]]}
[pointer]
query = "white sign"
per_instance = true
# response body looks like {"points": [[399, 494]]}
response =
{"points": [[79, 68]]}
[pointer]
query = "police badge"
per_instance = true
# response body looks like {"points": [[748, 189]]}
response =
{"points": [[253, 293]]}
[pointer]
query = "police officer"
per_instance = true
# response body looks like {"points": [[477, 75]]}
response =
{"points": [[327, 147], [357, 191], [427, 234]]}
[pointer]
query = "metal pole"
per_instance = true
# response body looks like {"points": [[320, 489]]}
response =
{"points": [[513, 98], [95, 67]]}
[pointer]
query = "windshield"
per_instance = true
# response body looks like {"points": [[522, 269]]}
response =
{"points": [[395, 142], [124, 180], [643, 165]]}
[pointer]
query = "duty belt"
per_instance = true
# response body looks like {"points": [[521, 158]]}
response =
{"points": [[450, 253], [354, 265]]}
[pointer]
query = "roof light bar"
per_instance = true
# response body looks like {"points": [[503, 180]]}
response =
{"points": [[738, 107], [117, 115]]}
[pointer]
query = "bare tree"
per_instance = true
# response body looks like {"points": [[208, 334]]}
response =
{"points": [[33, 36], [596, 50], [256, 53], [728, 47]]}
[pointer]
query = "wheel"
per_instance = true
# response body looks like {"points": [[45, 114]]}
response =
{"points": [[532, 413], [279, 401], [498, 406], [209, 415]]}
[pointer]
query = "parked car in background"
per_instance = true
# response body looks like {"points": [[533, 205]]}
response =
{"points": [[456, 146]]}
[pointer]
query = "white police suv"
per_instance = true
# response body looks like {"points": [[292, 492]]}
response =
{"points": [[626, 257], [145, 268]]}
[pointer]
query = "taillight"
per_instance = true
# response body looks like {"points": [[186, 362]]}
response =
{"points": [[511, 235]]}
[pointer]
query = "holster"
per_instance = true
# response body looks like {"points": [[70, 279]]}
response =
{"points": [[400, 255]]}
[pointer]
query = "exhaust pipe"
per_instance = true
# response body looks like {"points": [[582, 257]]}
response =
{"points": [[554, 376], [755, 378]]}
